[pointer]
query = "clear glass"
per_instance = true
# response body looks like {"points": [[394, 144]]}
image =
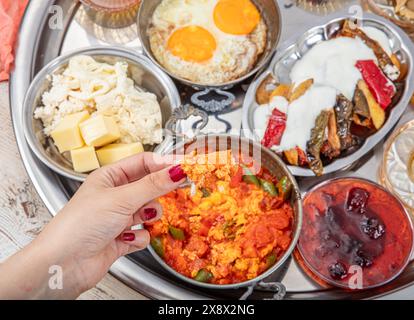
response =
{"points": [[113, 5], [321, 7], [112, 13]]}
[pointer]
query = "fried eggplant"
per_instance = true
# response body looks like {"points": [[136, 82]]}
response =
{"points": [[316, 142], [332, 146], [265, 89], [384, 60], [362, 116], [343, 112]]}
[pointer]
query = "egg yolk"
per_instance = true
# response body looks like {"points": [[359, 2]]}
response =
{"points": [[237, 17], [192, 43]]}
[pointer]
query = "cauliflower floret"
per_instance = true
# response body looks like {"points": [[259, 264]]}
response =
{"points": [[100, 88]]}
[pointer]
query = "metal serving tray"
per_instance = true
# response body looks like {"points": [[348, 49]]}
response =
{"points": [[39, 42]]}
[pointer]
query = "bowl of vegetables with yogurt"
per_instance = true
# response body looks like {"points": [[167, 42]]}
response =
{"points": [[331, 96]]}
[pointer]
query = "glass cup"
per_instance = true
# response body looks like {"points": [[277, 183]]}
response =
{"points": [[112, 13]]}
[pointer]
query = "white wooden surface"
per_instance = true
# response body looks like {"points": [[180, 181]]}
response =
{"points": [[22, 213]]}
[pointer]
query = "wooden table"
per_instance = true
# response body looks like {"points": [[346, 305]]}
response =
{"points": [[22, 213]]}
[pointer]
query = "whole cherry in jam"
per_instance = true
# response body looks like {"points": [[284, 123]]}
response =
{"points": [[373, 227], [351, 232], [362, 259], [357, 200], [338, 271]]}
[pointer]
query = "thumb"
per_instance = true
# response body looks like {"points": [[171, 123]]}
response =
{"points": [[154, 185]]}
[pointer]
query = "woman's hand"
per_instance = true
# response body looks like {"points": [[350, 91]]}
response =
{"points": [[93, 229]]}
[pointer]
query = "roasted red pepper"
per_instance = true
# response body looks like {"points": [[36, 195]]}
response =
{"points": [[380, 86], [275, 129]]}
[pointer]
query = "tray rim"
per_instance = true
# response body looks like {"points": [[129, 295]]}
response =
{"points": [[45, 181]]}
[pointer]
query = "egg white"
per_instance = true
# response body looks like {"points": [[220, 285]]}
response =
{"points": [[234, 56]]}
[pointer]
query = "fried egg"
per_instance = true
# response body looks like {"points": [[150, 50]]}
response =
{"points": [[207, 41]]}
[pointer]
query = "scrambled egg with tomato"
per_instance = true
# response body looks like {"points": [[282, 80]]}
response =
{"points": [[230, 229]]}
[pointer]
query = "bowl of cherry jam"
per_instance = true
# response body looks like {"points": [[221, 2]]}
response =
{"points": [[355, 234]]}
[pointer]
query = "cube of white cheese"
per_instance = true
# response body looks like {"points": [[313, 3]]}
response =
{"points": [[99, 131], [67, 135], [84, 159], [117, 151]]}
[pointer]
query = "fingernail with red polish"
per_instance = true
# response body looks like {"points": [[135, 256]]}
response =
{"points": [[177, 173], [128, 236], [149, 213]]}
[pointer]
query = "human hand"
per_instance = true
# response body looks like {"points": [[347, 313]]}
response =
{"points": [[94, 228]]}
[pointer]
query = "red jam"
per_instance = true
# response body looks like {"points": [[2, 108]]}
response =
{"points": [[351, 225]]}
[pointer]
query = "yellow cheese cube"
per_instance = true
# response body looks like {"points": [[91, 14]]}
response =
{"points": [[117, 151], [84, 159], [67, 135], [99, 131]]}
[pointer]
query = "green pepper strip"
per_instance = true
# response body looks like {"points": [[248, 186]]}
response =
{"points": [[203, 275], [269, 187], [205, 192], [227, 229], [284, 188], [156, 244], [270, 260], [176, 233], [249, 177]]}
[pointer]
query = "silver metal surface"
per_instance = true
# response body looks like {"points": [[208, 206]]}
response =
{"points": [[286, 58], [172, 126], [39, 44], [269, 9], [200, 99], [126, 269], [145, 75], [268, 160]]}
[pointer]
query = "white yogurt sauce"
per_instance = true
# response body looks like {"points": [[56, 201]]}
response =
{"points": [[380, 37], [332, 63], [302, 114], [263, 113]]}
